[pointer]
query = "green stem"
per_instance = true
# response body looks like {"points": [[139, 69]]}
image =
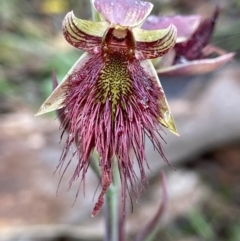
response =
{"points": [[94, 163], [95, 15], [111, 209], [112, 232]]}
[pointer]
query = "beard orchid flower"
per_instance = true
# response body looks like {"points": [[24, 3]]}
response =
{"points": [[112, 98], [193, 54]]}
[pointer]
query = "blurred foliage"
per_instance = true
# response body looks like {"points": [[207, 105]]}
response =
{"points": [[208, 223], [31, 46]]}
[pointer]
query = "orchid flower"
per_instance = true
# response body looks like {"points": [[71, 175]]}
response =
{"points": [[193, 54], [112, 97]]}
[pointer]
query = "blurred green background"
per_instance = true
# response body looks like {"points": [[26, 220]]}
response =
{"points": [[31, 45]]}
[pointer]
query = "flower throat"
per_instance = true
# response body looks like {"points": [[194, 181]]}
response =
{"points": [[115, 81]]}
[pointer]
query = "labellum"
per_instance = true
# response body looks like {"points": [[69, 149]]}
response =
{"points": [[112, 99]]}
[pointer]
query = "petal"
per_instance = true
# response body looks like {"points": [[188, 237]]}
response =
{"points": [[186, 25], [123, 12], [55, 100], [167, 119], [196, 67], [154, 43], [192, 49], [83, 34]]}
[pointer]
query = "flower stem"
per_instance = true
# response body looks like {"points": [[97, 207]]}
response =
{"points": [[95, 14], [94, 163], [111, 211], [111, 208]]}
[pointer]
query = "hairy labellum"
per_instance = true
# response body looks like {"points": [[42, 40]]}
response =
{"points": [[112, 98]]}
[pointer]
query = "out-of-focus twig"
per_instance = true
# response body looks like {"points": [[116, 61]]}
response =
{"points": [[149, 229]]}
